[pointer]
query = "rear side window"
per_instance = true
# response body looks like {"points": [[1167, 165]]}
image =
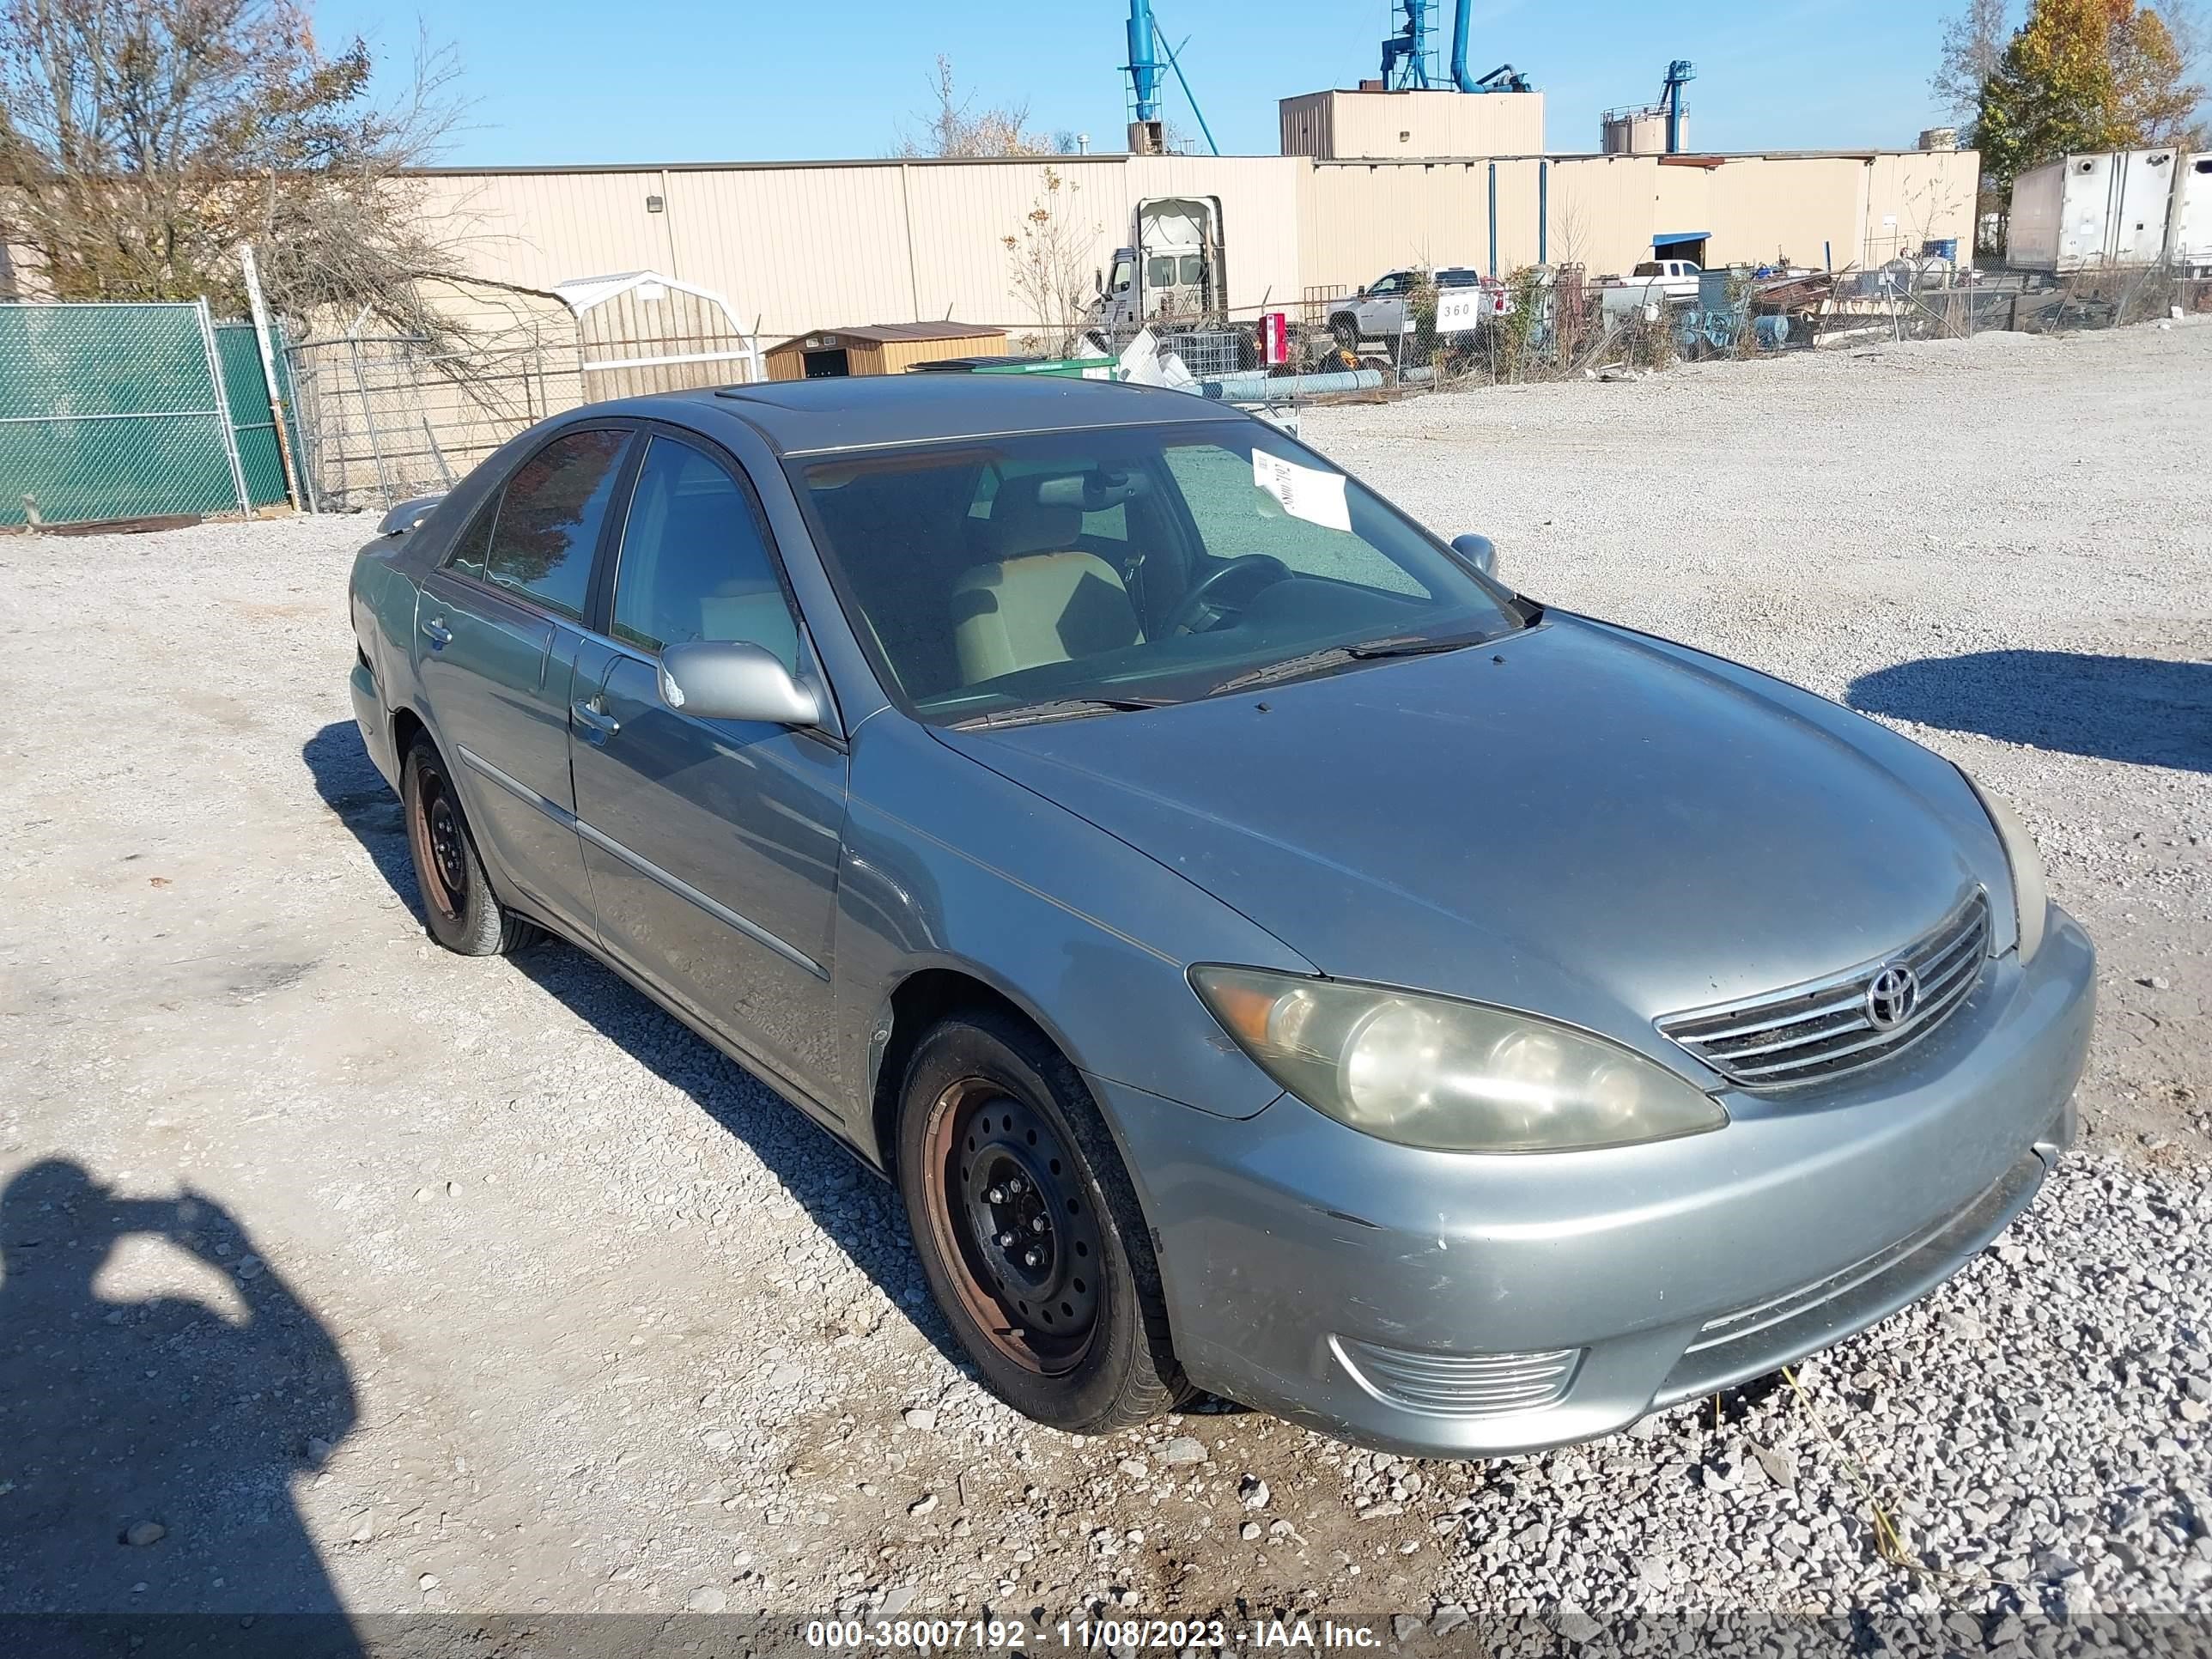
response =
{"points": [[468, 553], [549, 520]]}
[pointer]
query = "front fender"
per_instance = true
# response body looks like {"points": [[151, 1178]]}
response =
{"points": [[947, 865]]}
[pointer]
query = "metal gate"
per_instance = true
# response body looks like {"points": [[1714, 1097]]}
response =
{"points": [[130, 410]]}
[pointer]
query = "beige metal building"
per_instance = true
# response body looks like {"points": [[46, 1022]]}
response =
{"points": [[1397, 126], [788, 245]]}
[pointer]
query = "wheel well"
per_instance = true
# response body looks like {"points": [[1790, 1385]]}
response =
{"points": [[919, 1003], [406, 727]]}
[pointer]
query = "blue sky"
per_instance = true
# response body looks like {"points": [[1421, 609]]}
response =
{"points": [[578, 81]]}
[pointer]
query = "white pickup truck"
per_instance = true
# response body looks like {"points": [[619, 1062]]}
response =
{"points": [[1657, 283], [1379, 311]]}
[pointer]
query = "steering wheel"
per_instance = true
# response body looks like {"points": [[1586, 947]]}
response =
{"points": [[1199, 600]]}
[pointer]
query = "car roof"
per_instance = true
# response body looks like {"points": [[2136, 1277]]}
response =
{"points": [[805, 417]]}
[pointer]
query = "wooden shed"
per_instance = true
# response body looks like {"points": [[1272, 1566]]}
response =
{"points": [[879, 348]]}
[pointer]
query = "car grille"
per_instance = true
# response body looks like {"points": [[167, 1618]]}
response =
{"points": [[1812, 1033], [1460, 1384]]}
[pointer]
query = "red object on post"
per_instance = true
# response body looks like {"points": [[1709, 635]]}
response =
{"points": [[1273, 338]]}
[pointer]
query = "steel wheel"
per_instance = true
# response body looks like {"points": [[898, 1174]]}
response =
{"points": [[441, 849], [1015, 1223]]}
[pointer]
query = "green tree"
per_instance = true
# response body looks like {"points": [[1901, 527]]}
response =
{"points": [[2082, 74]]}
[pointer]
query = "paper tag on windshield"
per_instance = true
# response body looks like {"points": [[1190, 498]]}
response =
{"points": [[1305, 492]]}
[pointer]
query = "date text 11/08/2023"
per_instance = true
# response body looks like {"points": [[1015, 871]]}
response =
{"points": [[1088, 1635]]}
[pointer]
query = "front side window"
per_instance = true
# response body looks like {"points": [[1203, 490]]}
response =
{"points": [[1149, 564], [1121, 279], [549, 521], [694, 565]]}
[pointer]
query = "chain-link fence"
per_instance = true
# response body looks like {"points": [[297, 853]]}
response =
{"points": [[387, 417], [129, 411]]}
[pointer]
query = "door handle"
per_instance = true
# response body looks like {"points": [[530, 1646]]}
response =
{"points": [[435, 631], [595, 721]]}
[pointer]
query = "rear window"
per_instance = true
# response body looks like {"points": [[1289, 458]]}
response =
{"points": [[1648, 268]]}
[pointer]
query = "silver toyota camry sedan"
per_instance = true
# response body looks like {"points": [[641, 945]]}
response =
{"points": [[1269, 955]]}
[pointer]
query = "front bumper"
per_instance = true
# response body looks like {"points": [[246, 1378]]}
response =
{"points": [[1445, 1304]]}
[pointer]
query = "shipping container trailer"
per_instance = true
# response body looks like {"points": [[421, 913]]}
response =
{"points": [[2090, 212], [2189, 232]]}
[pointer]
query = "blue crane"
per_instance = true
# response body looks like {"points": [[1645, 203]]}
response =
{"points": [[1143, 69], [1406, 54], [1679, 75]]}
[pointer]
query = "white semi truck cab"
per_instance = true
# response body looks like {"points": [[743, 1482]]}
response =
{"points": [[1171, 273]]}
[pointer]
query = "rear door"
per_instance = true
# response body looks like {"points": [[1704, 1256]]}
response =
{"points": [[497, 631], [713, 845]]}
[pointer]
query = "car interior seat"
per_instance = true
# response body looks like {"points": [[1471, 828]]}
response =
{"points": [[1041, 599]]}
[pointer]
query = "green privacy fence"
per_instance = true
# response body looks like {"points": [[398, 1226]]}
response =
{"points": [[245, 392], [133, 410]]}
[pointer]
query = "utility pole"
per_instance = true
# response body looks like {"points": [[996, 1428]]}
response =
{"points": [[268, 373]]}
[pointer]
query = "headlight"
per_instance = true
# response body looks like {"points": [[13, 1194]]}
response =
{"points": [[2031, 902], [1449, 1076]]}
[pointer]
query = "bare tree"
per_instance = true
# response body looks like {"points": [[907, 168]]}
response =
{"points": [[953, 126], [1049, 257], [1973, 45], [2191, 32], [141, 141]]}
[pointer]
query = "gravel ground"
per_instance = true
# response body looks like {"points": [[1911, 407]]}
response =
{"points": [[340, 1271]]}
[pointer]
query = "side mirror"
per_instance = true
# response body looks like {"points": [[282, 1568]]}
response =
{"points": [[1097, 279], [734, 680], [1478, 551]]}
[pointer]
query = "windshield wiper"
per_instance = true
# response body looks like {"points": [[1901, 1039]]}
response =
{"points": [[1059, 708], [1335, 656], [1405, 648]]}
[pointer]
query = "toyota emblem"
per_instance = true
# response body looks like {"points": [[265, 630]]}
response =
{"points": [[1892, 997]]}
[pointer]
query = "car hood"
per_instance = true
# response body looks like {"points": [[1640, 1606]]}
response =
{"points": [[1576, 820]]}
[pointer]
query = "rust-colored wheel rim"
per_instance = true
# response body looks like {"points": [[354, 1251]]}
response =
{"points": [[1014, 1226], [441, 853]]}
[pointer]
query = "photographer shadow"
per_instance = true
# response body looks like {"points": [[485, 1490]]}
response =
{"points": [[153, 1443]]}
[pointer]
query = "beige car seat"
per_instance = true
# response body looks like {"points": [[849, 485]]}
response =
{"points": [[1043, 599]]}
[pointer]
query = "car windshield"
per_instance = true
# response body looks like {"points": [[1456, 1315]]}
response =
{"points": [[1060, 573]]}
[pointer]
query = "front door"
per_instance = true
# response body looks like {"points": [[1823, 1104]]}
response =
{"points": [[497, 630], [713, 845]]}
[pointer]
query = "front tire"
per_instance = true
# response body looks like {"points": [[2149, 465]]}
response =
{"points": [[459, 910], [1029, 1229]]}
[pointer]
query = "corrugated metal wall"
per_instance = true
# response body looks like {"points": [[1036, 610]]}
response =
{"points": [[801, 248], [1363, 124]]}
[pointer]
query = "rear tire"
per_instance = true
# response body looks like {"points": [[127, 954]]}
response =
{"points": [[459, 910], [1029, 1229], [1344, 330]]}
